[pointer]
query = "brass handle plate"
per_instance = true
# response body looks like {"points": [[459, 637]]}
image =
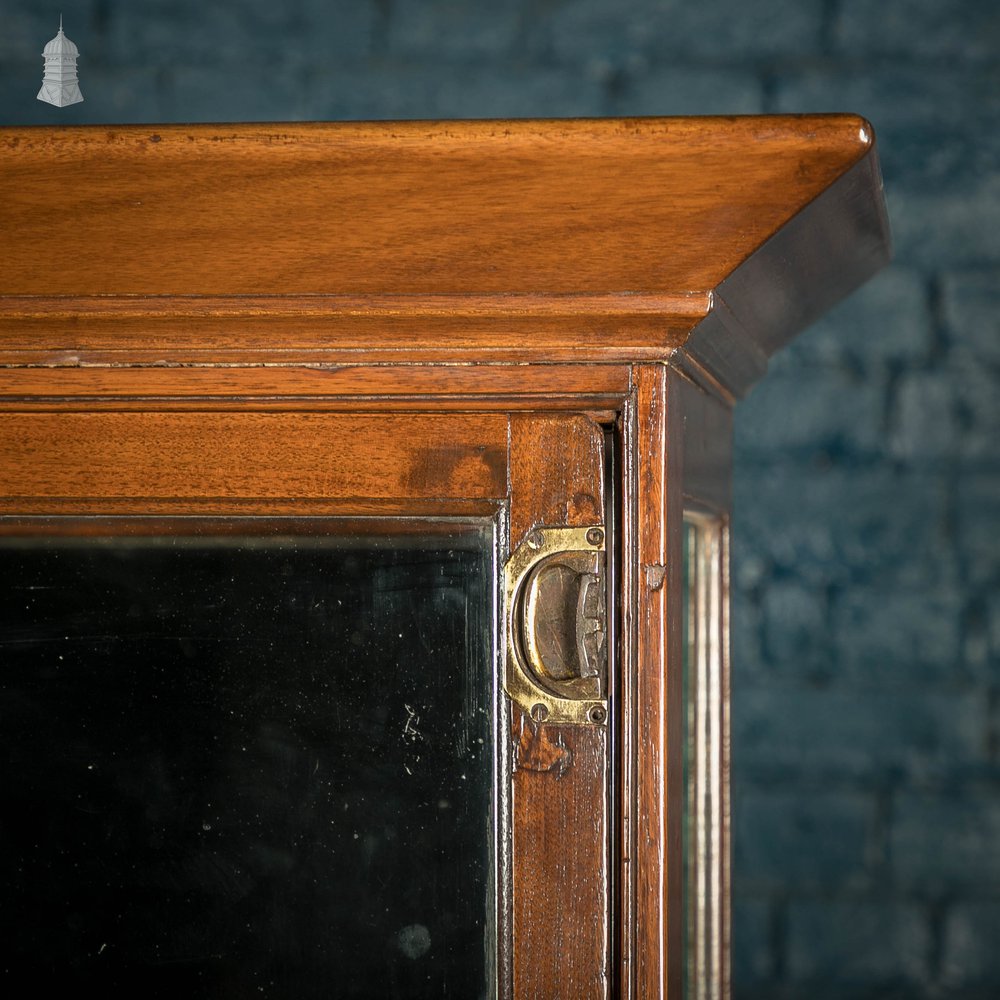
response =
{"points": [[555, 618]]}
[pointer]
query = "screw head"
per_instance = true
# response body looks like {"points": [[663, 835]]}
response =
{"points": [[539, 712], [597, 714], [595, 536], [535, 539]]}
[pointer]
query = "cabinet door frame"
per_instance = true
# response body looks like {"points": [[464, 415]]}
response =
{"points": [[81, 446], [678, 459]]}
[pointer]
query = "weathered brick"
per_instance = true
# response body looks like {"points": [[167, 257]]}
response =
{"points": [[833, 523], [24, 30], [814, 409], [968, 29], [497, 92], [126, 94], [671, 28], [753, 958], [977, 391], [897, 92], [924, 417], [453, 90], [118, 94], [205, 93], [453, 29], [950, 228], [992, 629], [865, 735], [746, 634], [749, 568], [189, 33], [971, 308], [788, 841], [344, 31], [19, 83], [840, 943], [796, 629], [887, 320], [981, 641], [933, 128], [948, 157], [26, 27], [946, 843], [970, 956], [898, 636], [978, 505], [689, 91]]}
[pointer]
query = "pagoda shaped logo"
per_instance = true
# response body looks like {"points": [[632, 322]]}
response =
{"points": [[59, 84]]}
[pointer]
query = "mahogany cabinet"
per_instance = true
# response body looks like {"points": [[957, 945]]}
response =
{"points": [[364, 499]]}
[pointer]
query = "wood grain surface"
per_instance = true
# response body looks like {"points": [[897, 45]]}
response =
{"points": [[652, 753], [490, 241], [559, 790], [203, 456], [353, 387], [678, 441], [412, 208]]}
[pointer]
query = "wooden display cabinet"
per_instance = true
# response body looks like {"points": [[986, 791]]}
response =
{"points": [[533, 332]]}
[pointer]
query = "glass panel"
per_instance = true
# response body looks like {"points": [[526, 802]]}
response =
{"points": [[688, 833], [706, 794], [249, 765]]}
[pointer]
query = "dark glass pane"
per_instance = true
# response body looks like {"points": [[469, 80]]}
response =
{"points": [[248, 766]]}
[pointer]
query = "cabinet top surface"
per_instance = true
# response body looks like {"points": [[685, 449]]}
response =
{"points": [[633, 218]]}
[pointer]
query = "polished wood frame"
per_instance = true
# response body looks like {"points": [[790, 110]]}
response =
{"points": [[71, 462], [544, 322]]}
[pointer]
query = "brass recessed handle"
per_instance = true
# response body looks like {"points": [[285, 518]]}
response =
{"points": [[556, 617]]}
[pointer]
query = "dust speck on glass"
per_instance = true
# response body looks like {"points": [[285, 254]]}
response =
{"points": [[243, 766]]}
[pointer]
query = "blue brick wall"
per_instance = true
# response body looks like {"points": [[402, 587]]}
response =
{"points": [[867, 556]]}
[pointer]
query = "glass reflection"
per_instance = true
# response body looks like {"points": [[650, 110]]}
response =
{"points": [[705, 771], [249, 766]]}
